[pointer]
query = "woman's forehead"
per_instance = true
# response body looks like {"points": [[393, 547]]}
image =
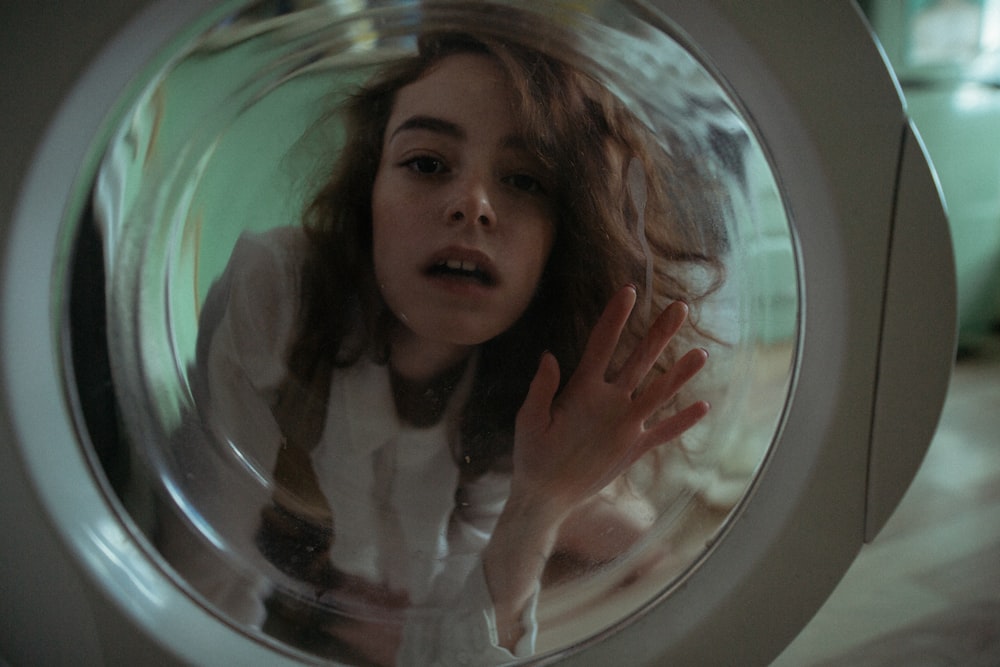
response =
{"points": [[457, 78], [459, 92]]}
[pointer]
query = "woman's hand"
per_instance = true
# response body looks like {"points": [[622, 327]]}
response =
{"points": [[567, 447]]}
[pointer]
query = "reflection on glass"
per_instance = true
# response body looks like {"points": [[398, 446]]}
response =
{"points": [[415, 316]]}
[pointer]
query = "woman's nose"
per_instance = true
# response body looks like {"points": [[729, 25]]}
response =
{"points": [[471, 202]]}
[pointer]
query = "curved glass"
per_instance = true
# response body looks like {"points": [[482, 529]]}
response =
{"points": [[235, 135]]}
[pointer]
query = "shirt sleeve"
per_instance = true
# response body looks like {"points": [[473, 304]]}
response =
{"points": [[464, 633], [460, 628], [228, 445], [246, 329]]}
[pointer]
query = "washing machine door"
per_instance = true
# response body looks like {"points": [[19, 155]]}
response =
{"points": [[837, 317]]}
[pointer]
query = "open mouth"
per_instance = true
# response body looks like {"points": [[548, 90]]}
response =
{"points": [[462, 269]]}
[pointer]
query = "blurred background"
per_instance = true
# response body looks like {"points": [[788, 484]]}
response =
{"points": [[926, 592]]}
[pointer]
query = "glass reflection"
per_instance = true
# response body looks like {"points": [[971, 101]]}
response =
{"points": [[460, 408]]}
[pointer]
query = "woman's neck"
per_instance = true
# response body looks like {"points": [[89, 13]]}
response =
{"points": [[422, 404], [419, 360], [424, 375]]}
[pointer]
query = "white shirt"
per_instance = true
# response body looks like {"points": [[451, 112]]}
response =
{"points": [[391, 486]]}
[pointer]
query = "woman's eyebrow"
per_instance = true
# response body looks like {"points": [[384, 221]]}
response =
{"points": [[431, 124], [515, 142]]}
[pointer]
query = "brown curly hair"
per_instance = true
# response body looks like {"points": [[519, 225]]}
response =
{"points": [[588, 140]]}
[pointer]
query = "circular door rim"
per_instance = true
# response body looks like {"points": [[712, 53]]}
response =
{"points": [[818, 459]]}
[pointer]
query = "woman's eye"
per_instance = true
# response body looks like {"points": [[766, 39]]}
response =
{"points": [[525, 183], [425, 165]]}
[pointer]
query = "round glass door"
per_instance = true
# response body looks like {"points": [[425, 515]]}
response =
{"points": [[233, 335]]}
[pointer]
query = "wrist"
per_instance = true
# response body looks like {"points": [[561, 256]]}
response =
{"points": [[525, 531], [537, 510]]}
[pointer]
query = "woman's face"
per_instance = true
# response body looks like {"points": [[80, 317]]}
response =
{"points": [[462, 213]]}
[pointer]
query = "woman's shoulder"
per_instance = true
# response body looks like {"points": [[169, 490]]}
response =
{"points": [[281, 249], [257, 298]]}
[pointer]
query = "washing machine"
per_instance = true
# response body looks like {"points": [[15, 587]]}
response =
{"points": [[141, 138]]}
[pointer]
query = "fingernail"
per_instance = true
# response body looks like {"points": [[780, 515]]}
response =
{"points": [[635, 288]]}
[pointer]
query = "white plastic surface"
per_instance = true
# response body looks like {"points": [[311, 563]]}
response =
{"points": [[919, 335], [814, 82]]}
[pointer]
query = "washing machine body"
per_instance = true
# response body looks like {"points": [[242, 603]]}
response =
{"points": [[875, 319]]}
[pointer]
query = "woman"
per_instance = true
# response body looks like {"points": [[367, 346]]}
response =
{"points": [[442, 372]]}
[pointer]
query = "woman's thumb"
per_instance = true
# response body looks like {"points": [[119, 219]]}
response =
{"points": [[536, 410]]}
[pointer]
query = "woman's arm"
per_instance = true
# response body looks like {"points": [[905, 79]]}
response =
{"points": [[242, 330], [567, 447]]}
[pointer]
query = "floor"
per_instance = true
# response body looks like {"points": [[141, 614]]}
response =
{"points": [[926, 591]]}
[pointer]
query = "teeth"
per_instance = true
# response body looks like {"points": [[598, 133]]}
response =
{"points": [[460, 265]]}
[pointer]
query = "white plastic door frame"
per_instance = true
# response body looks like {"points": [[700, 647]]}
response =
{"points": [[814, 83]]}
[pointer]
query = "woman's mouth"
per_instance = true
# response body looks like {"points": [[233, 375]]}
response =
{"points": [[461, 269], [464, 265]]}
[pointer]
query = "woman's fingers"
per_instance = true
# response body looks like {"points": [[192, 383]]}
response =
{"points": [[604, 338], [644, 356], [665, 387], [536, 410], [671, 428]]}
